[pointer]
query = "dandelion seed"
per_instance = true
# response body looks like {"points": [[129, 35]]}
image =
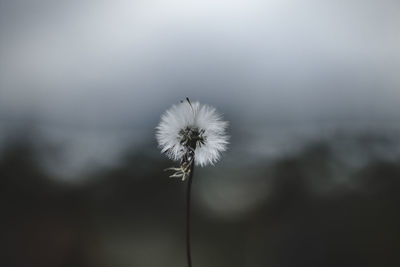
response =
{"points": [[194, 126]]}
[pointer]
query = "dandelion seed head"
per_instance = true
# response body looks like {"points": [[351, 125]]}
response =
{"points": [[192, 122]]}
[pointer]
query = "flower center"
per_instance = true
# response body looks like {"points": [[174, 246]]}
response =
{"points": [[192, 136]]}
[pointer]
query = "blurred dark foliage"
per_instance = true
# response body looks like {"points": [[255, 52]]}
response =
{"points": [[132, 215]]}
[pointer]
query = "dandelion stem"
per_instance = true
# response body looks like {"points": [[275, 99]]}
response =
{"points": [[188, 196]]}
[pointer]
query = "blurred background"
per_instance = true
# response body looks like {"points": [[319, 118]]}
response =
{"points": [[312, 93]]}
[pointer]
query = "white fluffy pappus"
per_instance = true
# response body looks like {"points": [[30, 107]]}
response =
{"points": [[202, 118]]}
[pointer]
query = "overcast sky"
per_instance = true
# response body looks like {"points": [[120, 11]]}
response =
{"points": [[115, 61]]}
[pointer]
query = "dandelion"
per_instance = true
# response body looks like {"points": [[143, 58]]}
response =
{"points": [[193, 134]]}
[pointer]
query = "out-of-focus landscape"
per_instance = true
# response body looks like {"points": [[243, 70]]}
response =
{"points": [[311, 90]]}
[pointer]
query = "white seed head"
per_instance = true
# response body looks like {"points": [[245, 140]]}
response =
{"points": [[185, 121]]}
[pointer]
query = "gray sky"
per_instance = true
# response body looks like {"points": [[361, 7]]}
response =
{"points": [[116, 61]]}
